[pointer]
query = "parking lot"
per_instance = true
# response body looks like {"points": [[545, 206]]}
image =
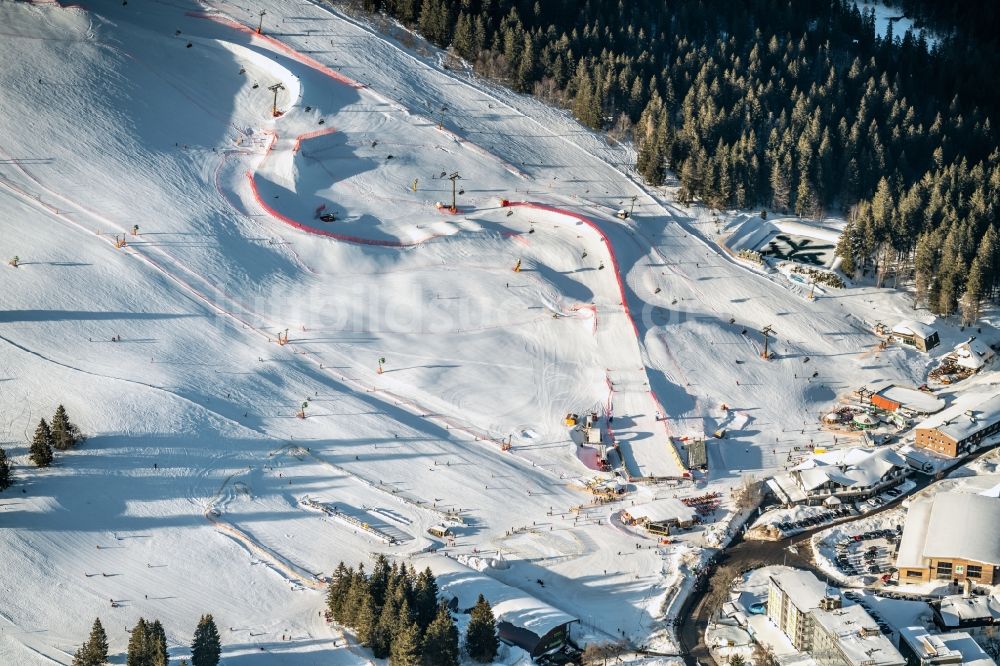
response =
{"points": [[791, 526], [870, 553]]}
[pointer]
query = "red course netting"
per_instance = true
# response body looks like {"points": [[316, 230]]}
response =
{"points": [[313, 230], [611, 251], [621, 289], [311, 135], [281, 46]]}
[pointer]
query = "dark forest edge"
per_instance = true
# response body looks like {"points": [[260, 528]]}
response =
{"points": [[797, 107]]}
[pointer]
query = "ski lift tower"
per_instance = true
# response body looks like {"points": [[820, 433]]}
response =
{"points": [[454, 204], [766, 332], [260, 24], [275, 88]]}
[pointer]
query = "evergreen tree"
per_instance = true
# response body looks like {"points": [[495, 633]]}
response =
{"points": [[429, 12], [157, 640], [378, 581], [340, 585], [481, 637], [95, 651], [526, 67], [780, 185], [462, 39], [139, 645], [97, 644], [798, 106], [406, 646], [65, 435], [5, 477], [846, 251], [206, 648], [441, 640], [425, 601], [987, 254], [973, 296], [366, 618], [381, 635], [80, 657], [924, 266], [586, 103], [354, 600], [41, 446]]}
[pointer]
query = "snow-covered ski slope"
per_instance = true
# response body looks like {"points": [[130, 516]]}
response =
{"points": [[200, 490]]}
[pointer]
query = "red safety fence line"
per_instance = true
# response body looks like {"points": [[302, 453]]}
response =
{"points": [[281, 46], [251, 175], [621, 288], [312, 230], [611, 251], [311, 135]]}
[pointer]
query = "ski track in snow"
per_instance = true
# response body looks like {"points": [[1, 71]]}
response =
{"points": [[425, 441]]}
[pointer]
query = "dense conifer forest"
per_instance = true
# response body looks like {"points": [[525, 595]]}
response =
{"points": [[795, 107]]}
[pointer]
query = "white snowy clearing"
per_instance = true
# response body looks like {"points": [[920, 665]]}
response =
{"points": [[199, 489]]}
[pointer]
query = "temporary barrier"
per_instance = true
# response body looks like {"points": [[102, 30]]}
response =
{"points": [[281, 46], [611, 252], [311, 135], [304, 227]]}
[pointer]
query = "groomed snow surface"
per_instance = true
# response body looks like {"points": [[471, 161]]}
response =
{"points": [[199, 489]]}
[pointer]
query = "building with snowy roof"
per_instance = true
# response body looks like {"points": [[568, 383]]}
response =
{"points": [[976, 614], [845, 474], [850, 637], [891, 397], [922, 648], [951, 536], [659, 516], [915, 334], [792, 594], [973, 354], [813, 618], [521, 619], [962, 427]]}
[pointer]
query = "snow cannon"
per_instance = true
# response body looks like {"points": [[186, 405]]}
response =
{"points": [[571, 420], [622, 214]]}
